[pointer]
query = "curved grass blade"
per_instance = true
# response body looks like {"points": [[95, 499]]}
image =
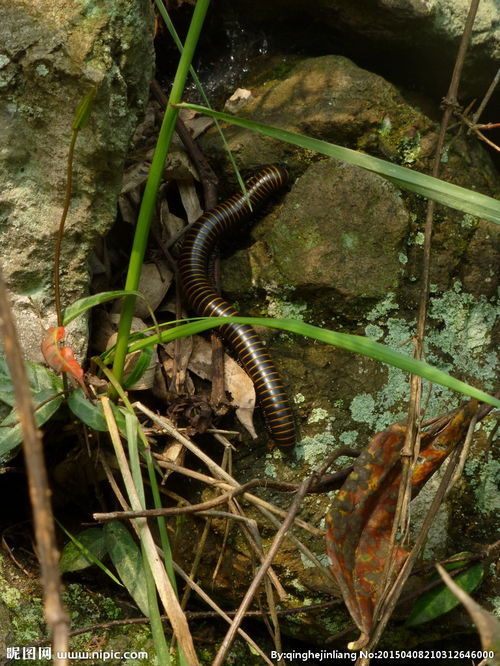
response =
{"points": [[83, 551], [438, 190], [354, 343], [83, 304]]}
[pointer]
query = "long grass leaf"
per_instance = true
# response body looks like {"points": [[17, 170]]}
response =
{"points": [[354, 343], [153, 183], [445, 193]]}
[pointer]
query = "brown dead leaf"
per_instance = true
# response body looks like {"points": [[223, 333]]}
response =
{"points": [[238, 100], [195, 122], [236, 380], [154, 283], [190, 200], [359, 523]]}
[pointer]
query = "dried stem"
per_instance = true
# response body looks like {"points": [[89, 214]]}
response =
{"points": [[55, 613], [280, 535], [412, 443]]}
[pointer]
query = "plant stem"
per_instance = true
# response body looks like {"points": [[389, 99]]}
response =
{"points": [[153, 184], [60, 232]]}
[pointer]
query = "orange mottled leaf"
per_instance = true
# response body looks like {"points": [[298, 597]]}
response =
{"points": [[359, 523]]}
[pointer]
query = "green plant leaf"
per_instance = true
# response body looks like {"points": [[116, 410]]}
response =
{"points": [[441, 600], [83, 110], [445, 193], [127, 558], [153, 183], [486, 623], [354, 343], [141, 365], [83, 304], [91, 414], [45, 387], [91, 546]]}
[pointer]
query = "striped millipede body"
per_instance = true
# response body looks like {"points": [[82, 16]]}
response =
{"points": [[193, 268]]}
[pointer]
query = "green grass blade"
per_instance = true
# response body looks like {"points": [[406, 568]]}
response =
{"points": [[83, 304], [354, 343], [160, 643], [153, 184], [173, 33], [445, 193], [72, 557]]}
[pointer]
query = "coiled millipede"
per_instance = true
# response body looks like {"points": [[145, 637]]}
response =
{"points": [[193, 266]]}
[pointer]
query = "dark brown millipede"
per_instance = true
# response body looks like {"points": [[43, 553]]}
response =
{"points": [[202, 297]]}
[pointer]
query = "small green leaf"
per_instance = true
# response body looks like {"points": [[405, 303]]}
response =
{"points": [[440, 599], [127, 558], [45, 387], [91, 414], [76, 557], [82, 111]]}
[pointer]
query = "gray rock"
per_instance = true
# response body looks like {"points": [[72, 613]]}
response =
{"points": [[49, 59]]}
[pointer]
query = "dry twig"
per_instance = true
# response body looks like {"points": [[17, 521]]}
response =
{"points": [[55, 613], [410, 450]]}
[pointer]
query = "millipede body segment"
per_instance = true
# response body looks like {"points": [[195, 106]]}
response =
{"points": [[204, 300]]}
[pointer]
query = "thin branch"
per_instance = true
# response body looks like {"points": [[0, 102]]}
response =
{"points": [[412, 442], [55, 613], [487, 97], [280, 535], [196, 588]]}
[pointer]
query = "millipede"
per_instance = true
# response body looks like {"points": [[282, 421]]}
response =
{"points": [[193, 267]]}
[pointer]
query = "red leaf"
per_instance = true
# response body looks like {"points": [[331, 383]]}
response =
{"points": [[359, 523], [61, 359]]}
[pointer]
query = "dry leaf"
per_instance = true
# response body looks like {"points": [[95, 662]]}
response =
{"points": [[184, 351], [170, 224], [359, 523], [238, 100], [190, 200], [195, 122], [154, 283], [236, 380]]}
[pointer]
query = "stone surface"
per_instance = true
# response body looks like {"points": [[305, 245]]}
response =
{"points": [[337, 234], [49, 59], [22, 622]]}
